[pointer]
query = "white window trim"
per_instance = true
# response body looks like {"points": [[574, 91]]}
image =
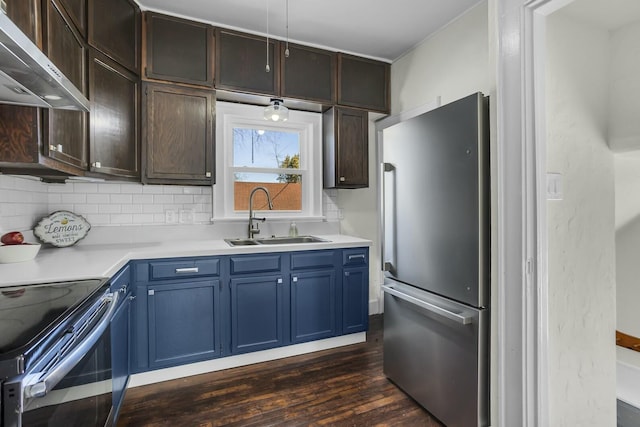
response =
{"points": [[308, 124]]}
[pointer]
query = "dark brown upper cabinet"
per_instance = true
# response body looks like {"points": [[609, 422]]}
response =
{"points": [[115, 117], [241, 61], [308, 73], [178, 50], [177, 135], [363, 83], [26, 15], [65, 132], [114, 30], [346, 148], [77, 11]]}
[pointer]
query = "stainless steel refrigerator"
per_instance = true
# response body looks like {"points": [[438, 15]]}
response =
{"points": [[436, 243]]}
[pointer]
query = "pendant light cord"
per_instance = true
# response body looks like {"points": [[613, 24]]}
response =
{"points": [[286, 51], [267, 68]]}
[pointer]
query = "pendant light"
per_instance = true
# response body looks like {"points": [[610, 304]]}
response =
{"points": [[267, 68], [286, 51], [276, 111]]}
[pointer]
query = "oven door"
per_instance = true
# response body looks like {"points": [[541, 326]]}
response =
{"points": [[72, 385]]}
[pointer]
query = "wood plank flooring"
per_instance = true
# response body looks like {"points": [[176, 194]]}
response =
{"points": [[338, 387]]}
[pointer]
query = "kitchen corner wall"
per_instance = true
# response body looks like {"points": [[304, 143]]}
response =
{"points": [[24, 200], [581, 226]]}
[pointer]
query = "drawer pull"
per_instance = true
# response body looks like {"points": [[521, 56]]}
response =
{"points": [[295, 280], [187, 270], [356, 257], [279, 280]]}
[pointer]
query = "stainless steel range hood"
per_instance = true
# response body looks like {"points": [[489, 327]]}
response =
{"points": [[28, 77]]}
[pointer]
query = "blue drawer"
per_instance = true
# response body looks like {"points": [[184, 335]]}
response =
{"points": [[256, 264], [356, 256], [187, 267], [313, 259]]}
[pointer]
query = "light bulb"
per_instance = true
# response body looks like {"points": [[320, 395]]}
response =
{"points": [[275, 117]]}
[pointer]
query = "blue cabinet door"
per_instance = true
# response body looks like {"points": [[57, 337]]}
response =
{"points": [[257, 313], [120, 342], [355, 299], [184, 322], [313, 305]]}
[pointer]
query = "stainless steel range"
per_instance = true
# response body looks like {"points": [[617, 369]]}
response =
{"points": [[55, 354]]}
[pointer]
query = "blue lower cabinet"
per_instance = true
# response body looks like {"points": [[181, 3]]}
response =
{"points": [[183, 322], [355, 299], [257, 313], [313, 305]]}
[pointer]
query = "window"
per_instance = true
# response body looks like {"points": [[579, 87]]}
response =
{"points": [[285, 158]]}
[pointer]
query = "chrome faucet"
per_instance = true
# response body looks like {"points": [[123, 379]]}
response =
{"points": [[255, 230]]}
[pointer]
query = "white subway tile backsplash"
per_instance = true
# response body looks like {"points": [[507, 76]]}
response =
{"points": [[163, 198], [24, 201], [109, 188], [142, 199], [121, 199]]}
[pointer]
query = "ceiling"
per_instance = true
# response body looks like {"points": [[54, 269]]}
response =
{"points": [[380, 29]]}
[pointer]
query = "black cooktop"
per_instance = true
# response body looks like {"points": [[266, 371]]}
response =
{"points": [[29, 312]]}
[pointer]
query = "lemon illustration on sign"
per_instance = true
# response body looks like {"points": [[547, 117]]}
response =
{"points": [[64, 221]]}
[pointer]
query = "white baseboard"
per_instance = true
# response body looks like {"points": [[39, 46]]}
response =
{"points": [[198, 368], [374, 307]]}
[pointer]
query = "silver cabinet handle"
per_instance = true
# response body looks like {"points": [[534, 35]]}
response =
{"points": [[96, 164], [294, 279], [279, 281], [187, 270], [464, 320], [355, 257], [50, 379], [151, 292]]}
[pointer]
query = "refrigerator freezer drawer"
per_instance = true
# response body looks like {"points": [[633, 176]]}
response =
{"points": [[438, 359]]}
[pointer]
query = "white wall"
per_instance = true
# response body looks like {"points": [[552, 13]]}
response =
{"points": [[581, 252], [624, 110], [627, 184]]}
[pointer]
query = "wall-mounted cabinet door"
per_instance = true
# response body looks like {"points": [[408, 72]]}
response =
{"points": [[346, 148], [308, 73], [115, 116], [77, 11], [26, 15], [178, 50], [241, 61], [363, 83], [65, 132], [177, 135], [114, 29]]}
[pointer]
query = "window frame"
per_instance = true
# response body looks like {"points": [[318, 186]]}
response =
{"points": [[309, 127]]}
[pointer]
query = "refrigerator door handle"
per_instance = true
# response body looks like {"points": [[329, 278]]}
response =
{"points": [[387, 264], [459, 318]]}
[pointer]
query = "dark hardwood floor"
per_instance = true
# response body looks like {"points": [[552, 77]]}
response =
{"points": [[338, 387]]}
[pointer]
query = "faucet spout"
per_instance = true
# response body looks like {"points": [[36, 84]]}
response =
{"points": [[253, 230]]}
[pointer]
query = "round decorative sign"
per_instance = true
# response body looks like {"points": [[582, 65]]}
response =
{"points": [[61, 229]]}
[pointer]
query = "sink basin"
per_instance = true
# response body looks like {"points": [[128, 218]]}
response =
{"points": [[241, 242], [285, 240], [289, 240]]}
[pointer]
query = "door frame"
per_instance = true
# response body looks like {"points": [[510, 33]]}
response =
{"points": [[523, 347]]}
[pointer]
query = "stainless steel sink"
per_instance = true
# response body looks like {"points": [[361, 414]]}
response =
{"points": [[241, 242], [285, 240], [289, 240]]}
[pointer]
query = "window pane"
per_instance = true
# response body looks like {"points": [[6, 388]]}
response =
{"points": [[265, 148], [285, 191]]}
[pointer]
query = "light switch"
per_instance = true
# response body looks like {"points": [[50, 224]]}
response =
{"points": [[554, 186]]}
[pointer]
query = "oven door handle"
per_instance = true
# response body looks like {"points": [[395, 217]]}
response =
{"points": [[52, 378]]}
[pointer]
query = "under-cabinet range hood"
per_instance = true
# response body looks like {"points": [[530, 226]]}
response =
{"points": [[28, 77]]}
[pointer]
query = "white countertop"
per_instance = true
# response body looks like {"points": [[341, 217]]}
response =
{"points": [[85, 261]]}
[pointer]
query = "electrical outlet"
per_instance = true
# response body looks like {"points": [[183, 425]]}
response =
{"points": [[170, 216], [186, 216]]}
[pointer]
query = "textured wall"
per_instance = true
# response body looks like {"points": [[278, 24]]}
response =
{"points": [[581, 227]]}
